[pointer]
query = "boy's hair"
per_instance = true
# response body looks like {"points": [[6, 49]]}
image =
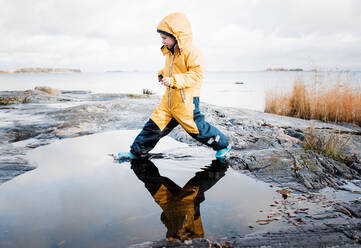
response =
{"points": [[165, 33]]}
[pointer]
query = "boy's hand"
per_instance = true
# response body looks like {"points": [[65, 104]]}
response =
{"points": [[165, 81]]}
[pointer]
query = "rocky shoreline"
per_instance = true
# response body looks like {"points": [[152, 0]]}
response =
{"points": [[265, 146]]}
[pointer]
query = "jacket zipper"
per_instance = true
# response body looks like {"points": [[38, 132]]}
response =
{"points": [[170, 73]]}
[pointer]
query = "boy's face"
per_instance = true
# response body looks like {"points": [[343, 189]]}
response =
{"points": [[168, 41]]}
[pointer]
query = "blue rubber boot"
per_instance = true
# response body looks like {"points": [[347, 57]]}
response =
{"points": [[124, 156], [221, 154]]}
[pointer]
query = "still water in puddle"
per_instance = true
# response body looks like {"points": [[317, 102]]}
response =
{"points": [[79, 197]]}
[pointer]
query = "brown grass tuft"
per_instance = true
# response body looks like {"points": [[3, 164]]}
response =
{"points": [[332, 144], [338, 103]]}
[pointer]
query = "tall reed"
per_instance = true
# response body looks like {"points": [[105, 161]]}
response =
{"points": [[337, 103]]}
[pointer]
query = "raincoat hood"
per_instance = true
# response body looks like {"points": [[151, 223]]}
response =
{"points": [[177, 25]]}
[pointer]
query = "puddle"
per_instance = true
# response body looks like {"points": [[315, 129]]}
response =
{"points": [[350, 193], [79, 197]]}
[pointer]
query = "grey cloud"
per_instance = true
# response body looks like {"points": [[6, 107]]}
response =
{"points": [[234, 35]]}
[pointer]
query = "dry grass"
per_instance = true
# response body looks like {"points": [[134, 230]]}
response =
{"points": [[338, 103], [332, 144]]}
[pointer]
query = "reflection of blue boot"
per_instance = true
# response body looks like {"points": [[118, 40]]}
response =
{"points": [[124, 156], [221, 154]]}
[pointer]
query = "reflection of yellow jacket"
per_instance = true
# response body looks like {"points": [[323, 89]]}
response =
{"points": [[179, 213], [186, 73]]}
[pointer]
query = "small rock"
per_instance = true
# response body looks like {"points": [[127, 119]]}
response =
{"points": [[290, 213], [285, 193], [148, 92], [263, 222], [48, 90]]}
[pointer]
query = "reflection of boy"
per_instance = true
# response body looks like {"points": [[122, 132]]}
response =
{"points": [[181, 206], [182, 75]]}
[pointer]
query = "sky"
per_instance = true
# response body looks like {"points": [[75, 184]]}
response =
{"points": [[233, 35]]}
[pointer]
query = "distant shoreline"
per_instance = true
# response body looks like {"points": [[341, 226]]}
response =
{"points": [[41, 70], [63, 70]]}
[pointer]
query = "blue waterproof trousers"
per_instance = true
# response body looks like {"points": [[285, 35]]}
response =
{"points": [[151, 134]]}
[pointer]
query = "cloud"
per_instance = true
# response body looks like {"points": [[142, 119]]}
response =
{"points": [[233, 35]]}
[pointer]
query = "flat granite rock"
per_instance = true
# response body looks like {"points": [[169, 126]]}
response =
{"points": [[266, 146]]}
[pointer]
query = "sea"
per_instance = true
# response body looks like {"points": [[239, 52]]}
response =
{"points": [[228, 89]]}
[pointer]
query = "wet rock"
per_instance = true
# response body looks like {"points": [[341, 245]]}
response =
{"points": [[296, 134], [318, 236], [23, 132], [10, 97], [29, 96], [352, 208], [11, 169], [323, 216], [12, 161], [76, 92], [285, 166], [351, 230]]}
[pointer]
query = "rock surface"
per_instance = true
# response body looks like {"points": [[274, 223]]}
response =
{"points": [[265, 146], [332, 235], [39, 94]]}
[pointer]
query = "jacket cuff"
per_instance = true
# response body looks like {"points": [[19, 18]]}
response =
{"points": [[172, 83]]}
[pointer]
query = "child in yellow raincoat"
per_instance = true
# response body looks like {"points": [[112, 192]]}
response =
{"points": [[182, 76]]}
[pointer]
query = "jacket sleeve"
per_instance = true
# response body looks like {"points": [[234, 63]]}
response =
{"points": [[195, 71]]}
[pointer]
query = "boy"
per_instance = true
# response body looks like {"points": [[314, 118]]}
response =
{"points": [[182, 76]]}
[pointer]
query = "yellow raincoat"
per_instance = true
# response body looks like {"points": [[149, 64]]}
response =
{"points": [[186, 73]]}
